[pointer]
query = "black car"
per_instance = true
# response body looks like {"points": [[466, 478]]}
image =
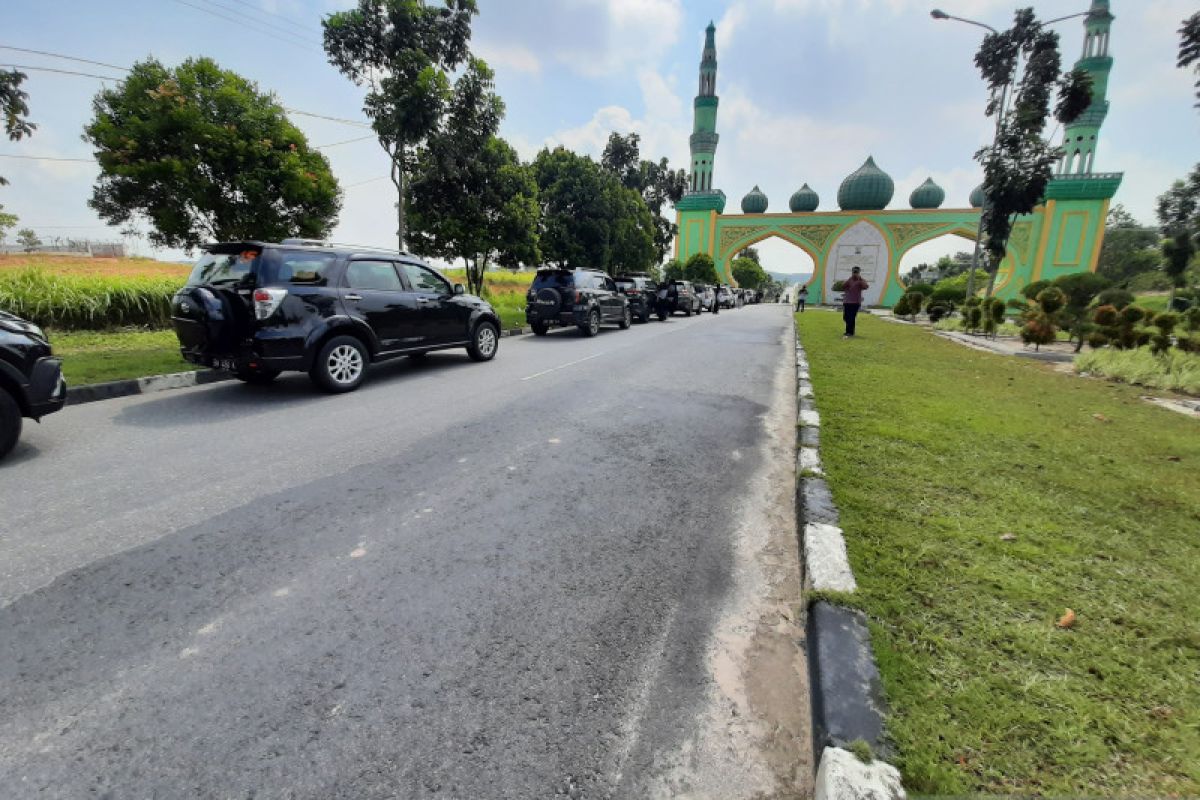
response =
{"points": [[260, 308], [585, 298], [676, 296], [641, 291], [31, 381]]}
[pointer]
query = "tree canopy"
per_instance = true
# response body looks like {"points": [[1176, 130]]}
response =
{"points": [[202, 154], [1129, 248], [1179, 215], [1189, 48], [748, 273], [404, 51], [14, 107], [655, 181], [701, 269]]}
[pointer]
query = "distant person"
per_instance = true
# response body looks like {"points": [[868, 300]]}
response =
{"points": [[852, 294], [801, 299]]}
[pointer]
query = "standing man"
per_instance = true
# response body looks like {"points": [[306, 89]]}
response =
{"points": [[801, 299], [852, 295]]}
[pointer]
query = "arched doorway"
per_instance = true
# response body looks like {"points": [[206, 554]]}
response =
{"points": [[931, 260], [787, 262]]}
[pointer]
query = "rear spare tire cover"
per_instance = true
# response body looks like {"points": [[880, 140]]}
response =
{"points": [[548, 302]]}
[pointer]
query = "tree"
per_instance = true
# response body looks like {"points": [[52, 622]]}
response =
{"points": [[1189, 48], [701, 269], [1041, 321], [656, 182], [404, 51], [14, 108], [1019, 163], [673, 271], [748, 273], [1179, 215], [28, 239], [7, 223], [750, 253], [202, 154], [1129, 248], [1079, 290]]}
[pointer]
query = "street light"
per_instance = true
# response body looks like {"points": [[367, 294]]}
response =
{"points": [[938, 14]]}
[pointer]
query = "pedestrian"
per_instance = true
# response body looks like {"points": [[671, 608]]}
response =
{"points": [[716, 306], [852, 295], [801, 298]]}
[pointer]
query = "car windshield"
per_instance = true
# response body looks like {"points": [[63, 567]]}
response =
{"points": [[554, 280], [626, 283]]}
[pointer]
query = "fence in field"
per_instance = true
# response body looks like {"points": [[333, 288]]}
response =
{"points": [[71, 247]]}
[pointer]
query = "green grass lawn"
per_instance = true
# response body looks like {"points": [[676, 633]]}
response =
{"points": [[934, 452], [100, 356], [1152, 302]]}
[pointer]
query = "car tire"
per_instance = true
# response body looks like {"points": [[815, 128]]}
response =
{"points": [[539, 328], [626, 319], [256, 377], [10, 422], [645, 317], [485, 342], [340, 365], [592, 326], [687, 312]]}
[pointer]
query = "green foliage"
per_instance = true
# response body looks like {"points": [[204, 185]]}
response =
{"points": [[916, 301], [1189, 48], [76, 302], [203, 155], [28, 239], [113, 355], [701, 269], [948, 296], [959, 281], [1173, 370], [7, 223], [861, 750], [903, 307], [838, 286], [673, 271], [14, 108], [937, 312], [1118, 298], [1031, 290], [655, 181], [1120, 327], [589, 219], [925, 289], [1130, 250], [749, 274], [986, 696]]}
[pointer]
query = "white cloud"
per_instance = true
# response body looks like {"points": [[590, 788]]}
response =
{"points": [[513, 57], [630, 32]]}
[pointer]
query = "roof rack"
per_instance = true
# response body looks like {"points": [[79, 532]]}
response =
{"points": [[342, 245]]}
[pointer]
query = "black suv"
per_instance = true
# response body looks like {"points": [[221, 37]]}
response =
{"points": [[679, 296], [585, 298], [31, 382], [259, 308], [641, 291]]}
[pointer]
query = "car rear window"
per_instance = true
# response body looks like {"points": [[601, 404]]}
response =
{"points": [[554, 280], [626, 283], [269, 267], [218, 268]]}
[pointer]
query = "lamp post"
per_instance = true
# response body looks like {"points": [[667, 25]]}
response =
{"points": [[938, 14]]}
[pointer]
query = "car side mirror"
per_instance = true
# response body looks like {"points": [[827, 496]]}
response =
{"points": [[458, 289]]}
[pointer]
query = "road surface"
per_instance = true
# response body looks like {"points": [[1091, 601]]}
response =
{"points": [[568, 572]]}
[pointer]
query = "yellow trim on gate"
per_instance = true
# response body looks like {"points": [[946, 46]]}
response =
{"points": [[1047, 222], [1099, 243]]}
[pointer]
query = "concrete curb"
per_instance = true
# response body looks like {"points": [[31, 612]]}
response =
{"points": [[93, 392], [848, 707]]}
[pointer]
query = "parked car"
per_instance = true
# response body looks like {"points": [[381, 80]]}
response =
{"points": [[258, 309], [753, 296], [31, 381], [725, 297], [641, 292], [706, 295], [585, 298], [678, 296]]}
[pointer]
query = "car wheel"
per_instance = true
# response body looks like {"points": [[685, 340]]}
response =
{"points": [[257, 377], [592, 326], [687, 312], [341, 365], [484, 343], [539, 328], [10, 422], [645, 317], [626, 319]]}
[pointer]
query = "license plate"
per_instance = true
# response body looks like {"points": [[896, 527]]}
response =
{"points": [[223, 363]]}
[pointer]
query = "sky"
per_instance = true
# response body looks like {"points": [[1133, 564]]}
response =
{"points": [[808, 90]]}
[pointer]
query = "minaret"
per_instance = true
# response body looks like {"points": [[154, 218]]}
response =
{"points": [[704, 128], [1079, 138]]}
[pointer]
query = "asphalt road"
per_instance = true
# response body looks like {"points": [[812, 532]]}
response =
{"points": [[570, 571]]}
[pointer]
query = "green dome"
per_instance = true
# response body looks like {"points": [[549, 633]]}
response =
{"points": [[805, 199], [977, 197], [755, 202], [867, 189], [927, 195]]}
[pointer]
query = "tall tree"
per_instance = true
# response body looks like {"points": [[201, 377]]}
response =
{"points": [[202, 154], [1022, 68], [14, 107], [7, 223], [750, 253], [748, 273], [404, 51], [1129, 247], [1179, 215], [701, 269], [656, 182], [1189, 48]]}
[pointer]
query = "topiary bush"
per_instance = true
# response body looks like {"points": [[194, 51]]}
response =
{"points": [[949, 296], [1116, 297], [1030, 290], [936, 312], [992, 309]]}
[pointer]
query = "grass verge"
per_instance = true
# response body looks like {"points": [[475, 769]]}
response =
{"points": [[1174, 370], [102, 356], [981, 497]]}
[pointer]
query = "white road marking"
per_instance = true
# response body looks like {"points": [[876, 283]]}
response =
{"points": [[563, 366]]}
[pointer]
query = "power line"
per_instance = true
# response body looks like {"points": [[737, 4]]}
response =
{"points": [[65, 58], [46, 158], [347, 141], [242, 24], [331, 119], [368, 180], [62, 72], [270, 25], [302, 26]]}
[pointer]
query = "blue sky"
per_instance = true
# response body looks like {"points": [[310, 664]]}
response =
{"points": [[809, 89]]}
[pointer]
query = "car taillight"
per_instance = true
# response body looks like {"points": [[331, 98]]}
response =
{"points": [[579, 297], [266, 301]]}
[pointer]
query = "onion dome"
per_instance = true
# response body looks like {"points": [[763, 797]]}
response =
{"points": [[927, 195], [867, 189], [977, 197], [805, 199], [755, 202]]}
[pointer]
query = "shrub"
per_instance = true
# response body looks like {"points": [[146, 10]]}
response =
{"points": [[1119, 298], [701, 269], [948, 296], [1191, 319], [937, 312], [992, 309], [972, 316], [925, 289], [916, 301], [1031, 290], [1174, 370], [903, 307], [1160, 339], [87, 301], [838, 286], [1042, 317]]}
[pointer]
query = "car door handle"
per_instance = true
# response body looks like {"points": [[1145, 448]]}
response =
{"points": [[427, 300], [352, 297]]}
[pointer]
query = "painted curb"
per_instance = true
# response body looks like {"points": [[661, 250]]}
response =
{"points": [[847, 695]]}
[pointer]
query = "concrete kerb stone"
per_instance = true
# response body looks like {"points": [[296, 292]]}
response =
{"points": [[847, 696]]}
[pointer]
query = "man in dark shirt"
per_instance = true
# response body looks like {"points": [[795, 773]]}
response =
{"points": [[852, 297]]}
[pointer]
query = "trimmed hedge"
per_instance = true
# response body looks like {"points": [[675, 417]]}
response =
{"points": [[87, 302]]}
